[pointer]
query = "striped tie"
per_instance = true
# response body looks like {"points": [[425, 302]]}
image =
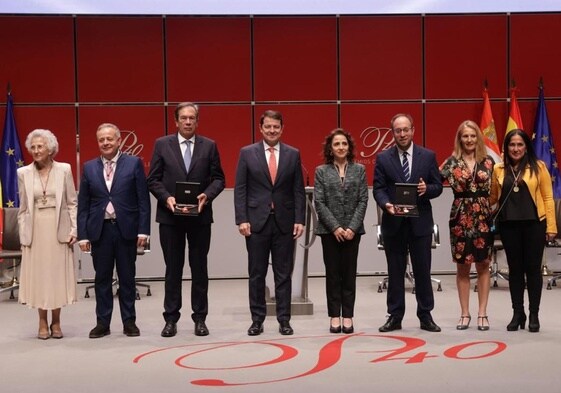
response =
{"points": [[405, 166]]}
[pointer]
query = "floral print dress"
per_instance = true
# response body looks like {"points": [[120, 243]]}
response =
{"points": [[470, 237]]}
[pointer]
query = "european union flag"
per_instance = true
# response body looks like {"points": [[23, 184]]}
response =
{"points": [[543, 145], [10, 158]]}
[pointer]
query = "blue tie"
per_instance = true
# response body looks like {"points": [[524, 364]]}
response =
{"points": [[187, 155], [405, 165]]}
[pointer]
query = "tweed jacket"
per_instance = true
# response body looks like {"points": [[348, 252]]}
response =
{"points": [[340, 203]]}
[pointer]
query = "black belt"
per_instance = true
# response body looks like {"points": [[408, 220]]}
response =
{"points": [[272, 212], [110, 220]]}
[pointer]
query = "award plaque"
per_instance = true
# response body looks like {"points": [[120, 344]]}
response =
{"points": [[405, 204], [186, 202]]}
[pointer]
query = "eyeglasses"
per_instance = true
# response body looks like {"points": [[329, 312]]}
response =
{"points": [[404, 129]]}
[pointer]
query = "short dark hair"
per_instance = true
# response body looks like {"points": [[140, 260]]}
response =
{"points": [[328, 153], [185, 105], [272, 115], [407, 115]]}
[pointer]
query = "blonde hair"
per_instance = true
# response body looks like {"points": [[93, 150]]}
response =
{"points": [[480, 150]]}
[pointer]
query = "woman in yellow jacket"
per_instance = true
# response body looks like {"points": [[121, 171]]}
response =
{"points": [[526, 218]]}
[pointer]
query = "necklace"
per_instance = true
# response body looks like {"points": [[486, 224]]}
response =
{"points": [[515, 188], [44, 186]]}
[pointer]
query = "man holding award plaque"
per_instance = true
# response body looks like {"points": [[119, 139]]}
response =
{"points": [[185, 177], [406, 178]]}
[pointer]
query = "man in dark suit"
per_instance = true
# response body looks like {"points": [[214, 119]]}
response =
{"points": [[113, 221], [407, 235], [185, 157], [270, 200]]}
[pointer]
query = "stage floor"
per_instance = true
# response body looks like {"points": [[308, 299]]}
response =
{"points": [[312, 360]]}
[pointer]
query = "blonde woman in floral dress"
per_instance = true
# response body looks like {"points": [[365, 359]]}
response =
{"points": [[468, 171]]}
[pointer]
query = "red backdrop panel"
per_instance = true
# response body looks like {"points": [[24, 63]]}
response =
{"points": [[60, 120], [139, 125], [229, 126], [369, 124], [120, 59], [442, 121], [37, 58], [380, 57], [208, 59], [305, 128], [535, 51], [295, 58], [461, 52]]}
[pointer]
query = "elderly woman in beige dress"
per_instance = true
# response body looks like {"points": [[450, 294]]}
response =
{"points": [[47, 228]]}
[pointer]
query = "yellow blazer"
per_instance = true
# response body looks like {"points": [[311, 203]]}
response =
{"points": [[540, 188], [66, 202]]}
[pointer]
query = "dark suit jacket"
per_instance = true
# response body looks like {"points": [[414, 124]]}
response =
{"points": [[167, 168], [388, 171], [254, 191], [129, 196], [340, 205]]}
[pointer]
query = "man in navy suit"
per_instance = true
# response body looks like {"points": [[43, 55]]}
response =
{"points": [[407, 235], [185, 157], [270, 200], [113, 221]]}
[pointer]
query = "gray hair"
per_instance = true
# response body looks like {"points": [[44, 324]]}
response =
{"points": [[182, 105], [110, 125], [49, 138]]}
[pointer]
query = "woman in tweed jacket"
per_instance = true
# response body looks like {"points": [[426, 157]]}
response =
{"points": [[340, 197]]}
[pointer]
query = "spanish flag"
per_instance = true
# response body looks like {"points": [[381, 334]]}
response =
{"points": [[514, 119], [487, 126]]}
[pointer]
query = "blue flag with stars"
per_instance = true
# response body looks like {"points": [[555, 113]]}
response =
{"points": [[10, 158], [543, 145]]}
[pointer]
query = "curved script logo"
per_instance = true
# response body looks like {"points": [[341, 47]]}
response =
{"points": [[239, 363], [375, 140]]}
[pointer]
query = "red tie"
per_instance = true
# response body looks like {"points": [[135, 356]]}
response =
{"points": [[272, 164]]}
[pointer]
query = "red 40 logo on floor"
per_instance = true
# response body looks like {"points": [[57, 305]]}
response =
{"points": [[278, 360]]}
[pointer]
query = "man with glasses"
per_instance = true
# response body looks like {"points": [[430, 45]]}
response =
{"points": [[270, 201], [185, 157], [403, 235]]}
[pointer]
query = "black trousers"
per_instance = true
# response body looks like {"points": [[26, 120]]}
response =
{"points": [[173, 239], [524, 242], [109, 251], [340, 259], [397, 249], [280, 246]]}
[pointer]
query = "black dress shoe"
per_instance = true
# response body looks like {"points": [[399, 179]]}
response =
{"points": [[255, 329], [348, 330], [130, 329], [201, 329], [170, 329], [100, 331], [285, 329], [393, 323], [430, 326]]}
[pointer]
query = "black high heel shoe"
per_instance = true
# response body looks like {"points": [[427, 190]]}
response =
{"points": [[348, 329], [334, 329], [534, 323], [461, 325], [518, 319], [481, 323]]}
